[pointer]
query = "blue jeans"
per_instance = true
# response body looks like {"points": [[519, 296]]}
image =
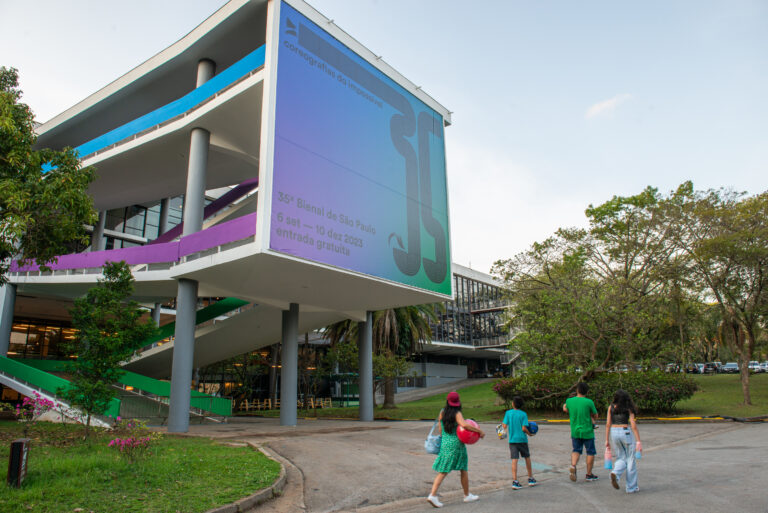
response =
{"points": [[623, 449]]}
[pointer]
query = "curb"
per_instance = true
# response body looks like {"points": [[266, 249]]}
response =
{"points": [[248, 503]]}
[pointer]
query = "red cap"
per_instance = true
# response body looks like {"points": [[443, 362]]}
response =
{"points": [[453, 399]]}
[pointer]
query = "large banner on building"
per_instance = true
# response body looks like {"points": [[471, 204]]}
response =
{"points": [[359, 179]]}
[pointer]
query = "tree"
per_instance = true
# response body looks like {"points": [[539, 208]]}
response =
{"points": [[595, 298], [40, 212], [243, 371], [397, 334], [725, 236], [109, 330]]}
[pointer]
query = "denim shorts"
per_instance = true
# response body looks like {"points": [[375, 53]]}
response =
{"points": [[586, 443]]}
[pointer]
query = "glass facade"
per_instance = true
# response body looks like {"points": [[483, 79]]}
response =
{"points": [[140, 221], [475, 317], [38, 338]]}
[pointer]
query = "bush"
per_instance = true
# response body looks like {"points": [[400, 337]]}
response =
{"points": [[653, 391], [134, 439]]}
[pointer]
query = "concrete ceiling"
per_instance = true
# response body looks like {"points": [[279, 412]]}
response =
{"points": [[225, 37], [247, 331], [155, 165]]}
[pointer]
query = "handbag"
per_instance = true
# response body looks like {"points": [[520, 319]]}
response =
{"points": [[432, 443]]}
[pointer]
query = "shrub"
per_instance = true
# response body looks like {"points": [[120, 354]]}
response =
{"points": [[32, 408], [651, 391], [134, 439]]}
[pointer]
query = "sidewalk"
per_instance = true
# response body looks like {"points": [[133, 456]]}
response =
{"points": [[358, 466]]}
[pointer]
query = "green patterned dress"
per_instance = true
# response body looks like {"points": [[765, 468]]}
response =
{"points": [[453, 453]]}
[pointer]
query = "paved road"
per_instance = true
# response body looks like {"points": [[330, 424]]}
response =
{"points": [[381, 467], [725, 472]]}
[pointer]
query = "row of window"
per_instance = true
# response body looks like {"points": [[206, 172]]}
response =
{"points": [[39, 339], [475, 317], [140, 221]]}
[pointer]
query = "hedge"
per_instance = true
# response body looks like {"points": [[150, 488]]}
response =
{"points": [[652, 391]]}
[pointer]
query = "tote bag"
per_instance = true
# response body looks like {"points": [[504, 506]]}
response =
{"points": [[432, 443]]}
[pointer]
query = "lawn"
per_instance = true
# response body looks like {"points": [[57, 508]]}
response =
{"points": [[718, 395], [181, 474]]}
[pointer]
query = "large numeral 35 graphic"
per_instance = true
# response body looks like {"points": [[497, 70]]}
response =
{"points": [[418, 173]]}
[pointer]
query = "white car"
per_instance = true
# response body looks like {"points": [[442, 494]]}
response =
{"points": [[754, 366], [764, 366]]}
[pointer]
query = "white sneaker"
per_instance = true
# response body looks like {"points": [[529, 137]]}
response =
{"points": [[471, 498], [434, 501]]}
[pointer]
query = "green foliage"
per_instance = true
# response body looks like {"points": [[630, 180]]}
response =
{"points": [[133, 439], [724, 235], [40, 213], [108, 331], [397, 334], [188, 474], [243, 370], [652, 392], [652, 279]]}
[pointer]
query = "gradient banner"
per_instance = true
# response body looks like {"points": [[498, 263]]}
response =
{"points": [[359, 179]]}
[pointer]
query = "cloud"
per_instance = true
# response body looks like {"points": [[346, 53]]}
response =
{"points": [[606, 107]]}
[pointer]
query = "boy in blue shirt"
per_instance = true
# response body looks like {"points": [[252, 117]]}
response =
{"points": [[516, 425]]}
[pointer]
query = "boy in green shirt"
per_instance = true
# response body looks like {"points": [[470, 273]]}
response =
{"points": [[583, 415]]}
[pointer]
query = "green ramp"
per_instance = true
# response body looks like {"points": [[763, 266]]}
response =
{"points": [[41, 379], [204, 314], [216, 405], [37, 372]]}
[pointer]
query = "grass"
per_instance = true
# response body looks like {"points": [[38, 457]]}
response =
{"points": [[181, 474], [718, 395], [479, 402]]}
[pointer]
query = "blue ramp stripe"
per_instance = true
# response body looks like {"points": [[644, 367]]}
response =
{"points": [[223, 80]]}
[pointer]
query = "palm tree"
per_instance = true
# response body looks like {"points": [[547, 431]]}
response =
{"points": [[396, 332]]}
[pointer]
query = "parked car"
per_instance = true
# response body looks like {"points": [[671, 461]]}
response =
{"points": [[764, 366], [719, 366], [709, 368], [754, 366], [730, 368]]}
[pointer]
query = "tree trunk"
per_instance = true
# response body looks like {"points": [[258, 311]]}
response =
{"points": [[389, 393], [744, 366], [742, 349]]}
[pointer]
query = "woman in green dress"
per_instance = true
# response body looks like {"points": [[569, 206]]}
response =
{"points": [[453, 452]]}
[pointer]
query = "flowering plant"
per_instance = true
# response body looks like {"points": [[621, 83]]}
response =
{"points": [[32, 408], [134, 438], [131, 448]]}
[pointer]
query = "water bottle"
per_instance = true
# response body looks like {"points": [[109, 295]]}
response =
{"points": [[608, 464], [638, 450]]}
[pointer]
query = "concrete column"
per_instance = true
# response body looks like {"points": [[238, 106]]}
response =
{"points": [[206, 68], [290, 361], [8, 299], [97, 237], [156, 313], [165, 205], [365, 352], [186, 298], [194, 199], [183, 355]]}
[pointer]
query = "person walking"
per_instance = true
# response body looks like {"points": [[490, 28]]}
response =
{"points": [[583, 414], [516, 425], [622, 437], [453, 452]]}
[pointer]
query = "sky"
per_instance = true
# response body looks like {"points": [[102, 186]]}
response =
{"points": [[556, 105]]}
